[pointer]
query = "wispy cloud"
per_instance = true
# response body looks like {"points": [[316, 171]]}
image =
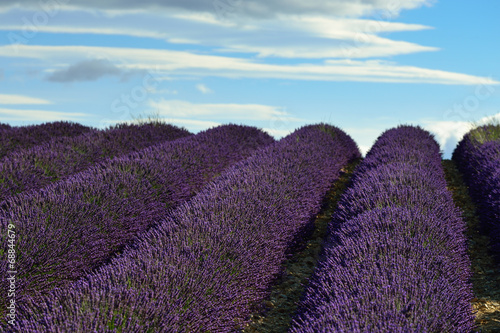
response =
{"points": [[274, 120], [203, 89], [21, 99], [162, 91], [184, 109], [39, 115], [170, 63], [333, 31], [318, 37], [313, 37], [102, 30], [247, 8]]}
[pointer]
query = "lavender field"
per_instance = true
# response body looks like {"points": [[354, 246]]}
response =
{"points": [[151, 228]]}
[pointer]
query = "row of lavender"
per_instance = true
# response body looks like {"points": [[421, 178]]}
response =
{"points": [[209, 262], [477, 156], [38, 166], [395, 257], [17, 138], [69, 228]]}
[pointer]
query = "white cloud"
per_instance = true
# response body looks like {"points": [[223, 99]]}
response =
{"points": [[490, 119], [319, 37], [195, 117], [364, 149], [21, 100], [303, 36], [244, 8], [183, 63], [192, 125], [449, 133], [257, 112], [347, 28], [342, 50], [365, 137], [65, 29], [203, 88], [39, 115], [162, 91], [278, 133], [204, 18]]}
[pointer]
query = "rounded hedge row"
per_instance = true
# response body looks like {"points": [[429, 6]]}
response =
{"points": [[395, 258]]}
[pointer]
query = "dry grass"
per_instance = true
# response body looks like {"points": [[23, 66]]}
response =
{"points": [[487, 132]]}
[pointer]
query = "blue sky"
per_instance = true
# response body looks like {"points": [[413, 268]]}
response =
{"points": [[365, 65]]}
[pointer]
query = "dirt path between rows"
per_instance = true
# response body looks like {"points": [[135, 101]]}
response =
{"points": [[281, 305]]}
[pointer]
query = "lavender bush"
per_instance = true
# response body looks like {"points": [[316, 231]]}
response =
{"points": [[17, 138], [4, 126], [477, 156], [41, 165], [395, 257], [206, 265], [71, 227]]}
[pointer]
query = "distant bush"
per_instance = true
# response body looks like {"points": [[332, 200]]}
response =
{"points": [[477, 156], [485, 133], [38, 166], [16, 138]]}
